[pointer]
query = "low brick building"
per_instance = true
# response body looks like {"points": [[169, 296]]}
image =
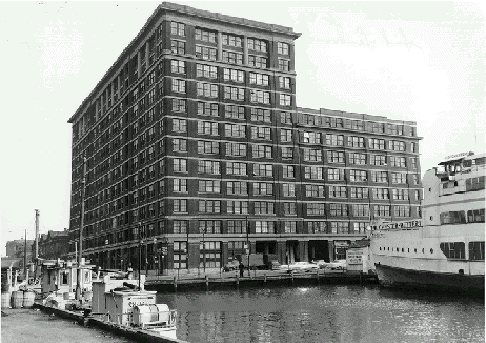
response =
{"points": [[54, 244]]}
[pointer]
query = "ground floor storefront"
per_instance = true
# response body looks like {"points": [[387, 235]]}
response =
{"points": [[178, 252]]}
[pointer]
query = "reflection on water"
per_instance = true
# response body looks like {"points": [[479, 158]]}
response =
{"points": [[325, 314]]}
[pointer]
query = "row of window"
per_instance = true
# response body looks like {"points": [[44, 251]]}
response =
{"points": [[459, 217], [451, 250]]}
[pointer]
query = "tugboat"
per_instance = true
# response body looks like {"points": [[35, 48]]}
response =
{"points": [[127, 305], [446, 248]]}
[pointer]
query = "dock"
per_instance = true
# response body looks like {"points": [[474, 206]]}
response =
{"points": [[129, 332], [260, 278]]}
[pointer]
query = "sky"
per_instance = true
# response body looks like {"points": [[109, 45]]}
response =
{"points": [[419, 61]]}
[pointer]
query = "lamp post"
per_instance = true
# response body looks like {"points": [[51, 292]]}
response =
{"points": [[80, 275], [25, 255], [203, 231]]}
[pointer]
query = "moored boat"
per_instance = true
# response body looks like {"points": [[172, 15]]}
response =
{"points": [[445, 249]]}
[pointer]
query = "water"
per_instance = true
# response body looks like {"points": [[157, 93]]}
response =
{"points": [[285, 314], [325, 314]]}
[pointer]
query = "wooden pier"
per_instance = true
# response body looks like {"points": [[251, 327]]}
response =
{"points": [[260, 279]]}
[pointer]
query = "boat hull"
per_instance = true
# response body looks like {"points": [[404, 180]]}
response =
{"points": [[419, 279]]}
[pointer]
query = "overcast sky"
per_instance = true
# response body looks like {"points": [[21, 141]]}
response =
{"points": [[403, 60]]}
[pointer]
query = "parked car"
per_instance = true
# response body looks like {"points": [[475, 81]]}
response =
{"points": [[232, 265], [337, 265], [274, 265], [300, 266], [320, 263]]}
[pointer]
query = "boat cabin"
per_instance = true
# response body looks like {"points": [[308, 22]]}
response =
{"points": [[62, 276]]}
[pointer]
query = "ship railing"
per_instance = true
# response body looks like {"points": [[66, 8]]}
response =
{"points": [[169, 321]]}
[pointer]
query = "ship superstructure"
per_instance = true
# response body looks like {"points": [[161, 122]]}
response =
{"points": [[446, 247]]}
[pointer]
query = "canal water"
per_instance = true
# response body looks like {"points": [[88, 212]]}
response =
{"points": [[325, 314], [286, 314]]}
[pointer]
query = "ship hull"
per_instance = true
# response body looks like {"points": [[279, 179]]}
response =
{"points": [[419, 279]]}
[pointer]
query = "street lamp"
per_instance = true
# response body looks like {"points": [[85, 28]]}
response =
{"points": [[203, 231], [138, 231]]}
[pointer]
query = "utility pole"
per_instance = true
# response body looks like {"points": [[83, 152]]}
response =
{"points": [[37, 214], [80, 272], [25, 255]]}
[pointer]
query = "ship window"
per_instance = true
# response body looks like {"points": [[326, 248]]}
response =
{"points": [[398, 249], [431, 218], [408, 249], [475, 216], [431, 251], [388, 248], [403, 249], [430, 189], [454, 250], [476, 251], [380, 248], [423, 250], [415, 250]]}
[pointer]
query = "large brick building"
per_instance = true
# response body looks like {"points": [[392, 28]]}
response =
{"points": [[193, 139], [54, 245]]}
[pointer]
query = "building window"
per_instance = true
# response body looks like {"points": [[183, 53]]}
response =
{"points": [[288, 172], [360, 210], [264, 227], [209, 186], [236, 188], [179, 105], [288, 190], [262, 188], [285, 100], [339, 227], [207, 148], [399, 178], [236, 168], [179, 86], [401, 211], [232, 57], [290, 226], [180, 185], [400, 194], [179, 125], [378, 160], [282, 48], [380, 193], [180, 165], [313, 173], [260, 114], [287, 152], [209, 167], [234, 130], [207, 71], [237, 207], [207, 109], [381, 211], [206, 53], [231, 40], [337, 191], [356, 142], [236, 149], [374, 143], [207, 90], [263, 208], [236, 226], [234, 93], [261, 151], [234, 112], [335, 174], [335, 157], [283, 64], [262, 170], [259, 96], [259, 132], [257, 61], [338, 210], [314, 191], [284, 82], [379, 176], [396, 161], [180, 145], [315, 209], [209, 206], [336, 140], [396, 145], [316, 227], [285, 135], [207, 128], [177, 67], [312, 155], [256, 44], [206, 36], [259, 79], [177, 47], [356, 175], [177, 29], [358, 159], [180, 205]]}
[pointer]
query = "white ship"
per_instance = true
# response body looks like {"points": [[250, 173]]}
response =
{"points": [[444, 249]]}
